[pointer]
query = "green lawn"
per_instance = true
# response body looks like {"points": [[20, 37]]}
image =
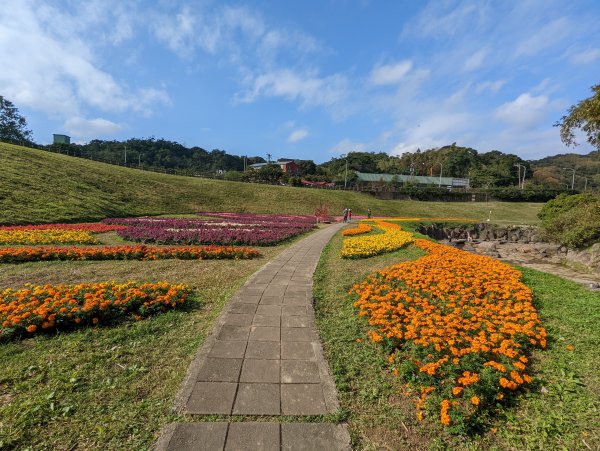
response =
{"points": [[42, 187], [109, 387], [559, 411]]}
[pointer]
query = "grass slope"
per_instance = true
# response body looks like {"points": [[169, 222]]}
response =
{"points": [[41, 187]]}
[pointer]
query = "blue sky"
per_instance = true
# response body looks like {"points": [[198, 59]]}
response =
{"points": [[304, 79]]}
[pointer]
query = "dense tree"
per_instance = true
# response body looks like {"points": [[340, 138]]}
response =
{"points": [[13, 126], [584, 116]]}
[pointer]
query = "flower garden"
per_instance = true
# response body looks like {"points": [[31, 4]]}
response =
{"points": [[459, 327], [35, 309]]}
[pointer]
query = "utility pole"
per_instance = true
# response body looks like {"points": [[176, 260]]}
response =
{"points": [[268, 158], [139, 159], [573, 178], [244, 163], [345, 176], [441, 168], [125, 155]]}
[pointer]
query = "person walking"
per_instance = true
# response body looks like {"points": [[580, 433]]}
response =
{"points": [[345, 215], [349, 215], [369, 213]]}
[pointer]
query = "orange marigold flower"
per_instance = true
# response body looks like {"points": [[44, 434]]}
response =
{"points": [[475, 400]]}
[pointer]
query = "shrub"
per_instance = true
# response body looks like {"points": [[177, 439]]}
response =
{"points": [[573, 221]]}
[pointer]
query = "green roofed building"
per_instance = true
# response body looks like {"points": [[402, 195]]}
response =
{"points": [[446, 182], [61, 139]]}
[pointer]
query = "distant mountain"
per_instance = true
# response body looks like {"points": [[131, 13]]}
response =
{"points": [[557, 170]]}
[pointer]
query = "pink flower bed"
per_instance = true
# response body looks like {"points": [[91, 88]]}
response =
{"points": [[220, 228]]}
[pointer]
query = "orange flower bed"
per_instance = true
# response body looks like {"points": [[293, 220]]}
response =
{"points": [[45, 308], [461, 326], [139, 252], [358, 230]]}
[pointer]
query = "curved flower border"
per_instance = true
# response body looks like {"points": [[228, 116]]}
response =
{"points": [[461, 326]]}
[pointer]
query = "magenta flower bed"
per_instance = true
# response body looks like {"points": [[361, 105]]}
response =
{"points": [[220, 228]]}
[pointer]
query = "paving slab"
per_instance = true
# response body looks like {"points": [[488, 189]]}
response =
{"points": [[220, 370], [297, 321], [299, 371], [257, 399], [302, 399], [211, 398], [265, 333], [263, 350], [239, 319], [227, 350], [297, 350], [253, 436], [313, 436], [261, 370], [195, 436]]}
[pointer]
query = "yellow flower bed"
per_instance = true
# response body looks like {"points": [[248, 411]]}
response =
{"points": [[47, 236], [391, 240]]}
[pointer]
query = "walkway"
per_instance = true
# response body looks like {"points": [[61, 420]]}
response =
{"points": [[264, 358]]}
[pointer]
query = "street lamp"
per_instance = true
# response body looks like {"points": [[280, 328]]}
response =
{"points": [[573, 179], [441, 168]]}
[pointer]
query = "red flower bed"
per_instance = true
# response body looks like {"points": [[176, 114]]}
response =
{"points": [[141, 252]]}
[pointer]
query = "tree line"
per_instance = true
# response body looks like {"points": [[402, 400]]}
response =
{"points": [[487, 170]]}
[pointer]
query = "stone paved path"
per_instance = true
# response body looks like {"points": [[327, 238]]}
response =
{"points": [[264, 357]]}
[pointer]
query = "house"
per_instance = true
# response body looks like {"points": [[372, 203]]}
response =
{"points": [[287, 166]]}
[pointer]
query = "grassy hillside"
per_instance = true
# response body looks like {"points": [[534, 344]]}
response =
{"points": [[38, 186]]}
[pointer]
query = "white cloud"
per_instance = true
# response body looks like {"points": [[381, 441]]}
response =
{"points": [[433, 130], [179, 32], [493, 86], [390, 74], [476, 60], [440, 19], [307, 88], [297, 135], [586, 57], [91, 128], [545, 38], [525, 112], [51, 68]]}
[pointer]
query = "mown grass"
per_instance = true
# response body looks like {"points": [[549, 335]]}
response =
{"points": [[109, 387], [42, 187], [559, 411]]}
